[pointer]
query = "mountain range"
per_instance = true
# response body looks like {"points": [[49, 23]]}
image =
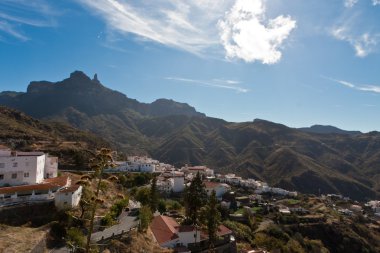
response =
{"points": [[320, 159]]}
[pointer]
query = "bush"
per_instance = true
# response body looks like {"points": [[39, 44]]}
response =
{"points": [[75, 237]]}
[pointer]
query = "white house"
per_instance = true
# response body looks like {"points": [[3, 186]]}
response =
{"points": [[68, 197], [44, 191], [202, 170], [165, 184], [18, 168], [219, 188], [136, 164], [178, 180]]}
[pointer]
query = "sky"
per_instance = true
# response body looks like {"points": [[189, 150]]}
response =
{"points": [[295, 62]]}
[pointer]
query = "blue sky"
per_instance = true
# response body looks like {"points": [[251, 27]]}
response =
{"points": [[294, 62]]}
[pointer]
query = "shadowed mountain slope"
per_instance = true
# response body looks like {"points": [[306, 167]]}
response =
{"points": [[176, 133]]}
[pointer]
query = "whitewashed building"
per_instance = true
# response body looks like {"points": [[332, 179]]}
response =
{"points": [[68, 197], [136, 164], [202, 170], [45, 191], [19, 168], [219, 188]]}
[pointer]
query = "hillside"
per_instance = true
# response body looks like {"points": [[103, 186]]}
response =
{"points": [[22, 132], [176, 133]]}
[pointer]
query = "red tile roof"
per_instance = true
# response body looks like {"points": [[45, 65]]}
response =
{"points": [[211, 184], [48, 184], [164, 229], [72, 188], [222, 231]]}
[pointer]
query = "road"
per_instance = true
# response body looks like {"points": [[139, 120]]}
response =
{"points": [[125, 224]]}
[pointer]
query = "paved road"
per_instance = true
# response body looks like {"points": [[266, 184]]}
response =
{"points": [[125, 224]]}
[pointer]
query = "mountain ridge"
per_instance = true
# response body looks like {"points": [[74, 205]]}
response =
{"points": [[176, 133]]}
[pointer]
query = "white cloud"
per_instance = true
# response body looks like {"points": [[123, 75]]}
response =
{"points": [[363, 44], [214, 83], [368, 88], [376, 2], [350, 3], [192, 25], [247, 34]]}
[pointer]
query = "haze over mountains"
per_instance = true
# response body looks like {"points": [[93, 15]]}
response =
{"points": [[311, 160]]}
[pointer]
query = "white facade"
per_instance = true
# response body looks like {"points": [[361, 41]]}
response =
{"points": [[68, 198], [165, 184], [219, 188], [179, 184], [18, 168], [33, 193], [136, 164], [51, 167]]}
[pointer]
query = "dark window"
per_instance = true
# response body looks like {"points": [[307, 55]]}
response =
{"points": [[14, 175], [14, 164], [26, 174], [1, 177]]}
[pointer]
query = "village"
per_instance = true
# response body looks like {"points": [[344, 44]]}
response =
{"points": [[31, 178]]}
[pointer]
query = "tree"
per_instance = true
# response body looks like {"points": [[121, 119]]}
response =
{"points": [[153, 204], [143, 195], [101, 160], [161, 206], [194, 198], [211, 218], [145, 217]]}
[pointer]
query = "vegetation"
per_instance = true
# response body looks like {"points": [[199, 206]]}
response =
{"points": [[145, 216], [195, 197], [153, 200], [102, 160], [306, 162], [211, 218]]}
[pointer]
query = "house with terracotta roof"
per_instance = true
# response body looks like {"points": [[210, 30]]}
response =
{"points": [[45, 191], [202, 170], [169, 234], [68, 197]]}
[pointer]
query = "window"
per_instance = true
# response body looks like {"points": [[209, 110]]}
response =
{"points": [[14, 175], [26, 174], [2, 165], [27, 164], [14, 164], [65, 203], [1, 177]]}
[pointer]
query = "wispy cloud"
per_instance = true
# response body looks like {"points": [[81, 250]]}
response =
{"points": [[202, 27], [350, 3], [10, 30], [214, 83], [363, 44], [360, 87], [15, 14], [354, 27]]}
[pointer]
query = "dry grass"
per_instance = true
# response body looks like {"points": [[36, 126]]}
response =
{"points": [[138, 243], [19, 239]]}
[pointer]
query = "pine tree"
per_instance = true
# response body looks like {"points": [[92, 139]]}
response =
{"points": [[153, 195], [195, 197], [212, 219]]}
